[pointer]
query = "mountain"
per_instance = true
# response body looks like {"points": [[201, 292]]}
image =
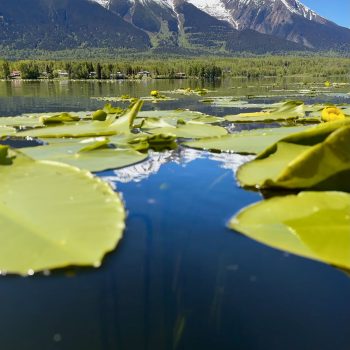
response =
{"points": [[62, 24], [179, 26], [286, 19]]}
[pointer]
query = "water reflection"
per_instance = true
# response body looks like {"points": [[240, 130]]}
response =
{"points": [[17, 97], [181, 156], [179, 279]]}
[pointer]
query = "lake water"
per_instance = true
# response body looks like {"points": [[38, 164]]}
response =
{"points": [[179, 279]]}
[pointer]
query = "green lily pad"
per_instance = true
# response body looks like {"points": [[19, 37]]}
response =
{"points": [[93, 156], [287, 111], [21, 121], [188, 92], [245, 142], [206, 120], [127, 98], [315, 225], [6, 131], [317, 158], [191, 131], [154, 123], [157, 142], [54, 215], [111, 126], [229, 102], [184, 114], [58, 119]]}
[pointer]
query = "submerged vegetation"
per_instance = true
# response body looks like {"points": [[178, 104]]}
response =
{"points": [[204, 68]]}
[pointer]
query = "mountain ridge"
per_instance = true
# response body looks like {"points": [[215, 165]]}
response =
{"points": [[216, 26]]}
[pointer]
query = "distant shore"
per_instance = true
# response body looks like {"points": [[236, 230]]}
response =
{"points": [[176, 68]]}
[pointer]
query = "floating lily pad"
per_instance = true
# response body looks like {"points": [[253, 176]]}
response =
{"points": [[58, 119], [287, 111], [6, 131], [318, 158], [21, 121], [188, 92], [54, 215], [245, 142], [229, 102], [184, 114], [154, 123], [206, 120], [192, 131], [315, 225], [111, 126], [127, 98], [92, 156]]}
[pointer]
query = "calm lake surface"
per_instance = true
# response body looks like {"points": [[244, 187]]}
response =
{"points": [[179, 279]]}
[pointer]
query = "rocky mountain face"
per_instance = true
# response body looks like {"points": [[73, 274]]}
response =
{"points": [[284, 19], [179, 24], [287, 19], [169, 25], [62, 24]]}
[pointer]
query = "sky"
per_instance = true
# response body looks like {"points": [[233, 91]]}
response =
{"points": [[337, 11]]}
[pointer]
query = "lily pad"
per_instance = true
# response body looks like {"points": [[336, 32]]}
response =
{"points": [[287, 111], [315, 225], [184, 114], [21, 121], [188, 91], [229, 102], [58, 119], [317, 158], [245, 142], [54, 215], [6, 131], [92, 156], [191, 131], [111, 126]]}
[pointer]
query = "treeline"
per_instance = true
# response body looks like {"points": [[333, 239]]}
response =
{"points": [[208, 68], [107, 70]]}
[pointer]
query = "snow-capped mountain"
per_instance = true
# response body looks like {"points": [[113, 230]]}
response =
{"points": [[286, 19], [179, 26], [228, 10]]}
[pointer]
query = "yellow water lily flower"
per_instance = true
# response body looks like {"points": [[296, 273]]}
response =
{"points": [[327, 84], [154, 93], [330, 114]]}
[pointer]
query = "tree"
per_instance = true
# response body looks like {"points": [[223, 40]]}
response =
{"points": [[29, 70], [6, 70], [98, 71]]}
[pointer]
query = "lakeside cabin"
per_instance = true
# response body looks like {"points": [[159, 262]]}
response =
{"points": [[62, 74], [16, 74], [118, 75], [180, 75], [143, 74]]}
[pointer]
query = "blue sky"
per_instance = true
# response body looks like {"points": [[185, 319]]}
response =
{"points": [[337, 11]]}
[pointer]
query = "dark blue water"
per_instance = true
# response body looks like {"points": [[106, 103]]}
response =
{"points": [[180, 279]]}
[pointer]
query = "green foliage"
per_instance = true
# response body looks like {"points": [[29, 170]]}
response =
{"points": [[29, 70], [166, 67]]}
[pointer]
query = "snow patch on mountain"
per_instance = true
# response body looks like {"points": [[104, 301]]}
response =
{"points": [[298, 8], [223, 9], [215, 8], [104, 3]]}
